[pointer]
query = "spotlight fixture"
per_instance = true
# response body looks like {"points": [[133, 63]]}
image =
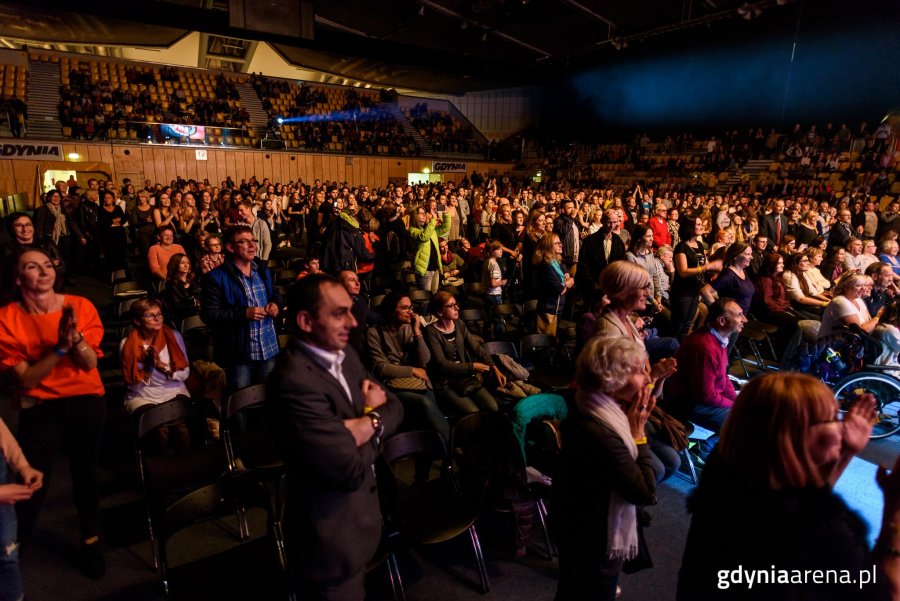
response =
{"points": [[618, 43], [484, 37], [421, 11], [463, 24]]}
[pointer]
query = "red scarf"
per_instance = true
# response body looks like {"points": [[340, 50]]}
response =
{"points": [[134, 355]]}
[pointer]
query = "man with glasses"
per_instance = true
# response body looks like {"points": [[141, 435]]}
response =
{"points": [[259, 228], [239, 303]]}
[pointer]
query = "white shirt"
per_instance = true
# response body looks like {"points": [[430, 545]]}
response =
{"points": [[330, 362], [158, 388], [840, 307]]}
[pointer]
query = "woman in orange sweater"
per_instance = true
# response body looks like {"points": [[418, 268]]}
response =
{"points": [[50, 342]]}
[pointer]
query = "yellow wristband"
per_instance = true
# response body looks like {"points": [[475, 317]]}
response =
{"points": [[367, 410], [642, 440]]}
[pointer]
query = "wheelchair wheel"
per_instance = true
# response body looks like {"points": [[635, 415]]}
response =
{"points": [[886, 390]]}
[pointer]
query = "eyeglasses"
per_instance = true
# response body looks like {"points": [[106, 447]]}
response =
{"points": [[404, 307], [156, 315], [23, 226], [246, 241], [451, 306]]}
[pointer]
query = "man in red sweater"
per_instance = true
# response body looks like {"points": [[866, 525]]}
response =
{"points": [[700, 389], [660, 227]]}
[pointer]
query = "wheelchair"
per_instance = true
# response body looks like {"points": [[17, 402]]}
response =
{"points": [[844, 362]]}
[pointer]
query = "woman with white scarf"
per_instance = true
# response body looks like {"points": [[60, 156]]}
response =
{"points": [[606, 468]]}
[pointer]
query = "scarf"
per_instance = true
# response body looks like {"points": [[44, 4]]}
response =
{"points": [[621, 521], [59, 222], [134, 355]]}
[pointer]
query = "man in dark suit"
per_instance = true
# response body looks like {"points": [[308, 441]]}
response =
{"points": [[841, 232], [597, 251], [775, 225], [331, 420]]}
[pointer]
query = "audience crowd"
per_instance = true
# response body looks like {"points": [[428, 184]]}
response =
{"points": [[645, 291], [90, 107], [357, 120], [443, 131]]}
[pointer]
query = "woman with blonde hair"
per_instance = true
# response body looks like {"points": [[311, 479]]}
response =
{"points": [[627, 288], [607, 470], [816, 257], [766, 500], [848, 307], [552, 282]]}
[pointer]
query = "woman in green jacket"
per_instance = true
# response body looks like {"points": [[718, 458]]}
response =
{"points": [[425, 235]]}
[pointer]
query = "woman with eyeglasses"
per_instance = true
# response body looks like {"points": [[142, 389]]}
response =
{"points": [[456, 358], [766, 501], [155, 366], [552, 282], [20, 228], [213, 257], [49, 344], [399, 356]]}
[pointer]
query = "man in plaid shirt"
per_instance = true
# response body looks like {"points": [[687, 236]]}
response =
{"points": [[240, 303]]}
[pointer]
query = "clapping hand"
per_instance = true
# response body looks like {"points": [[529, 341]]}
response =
{"points": [[67, 335], [663, 369], [858, 423]]}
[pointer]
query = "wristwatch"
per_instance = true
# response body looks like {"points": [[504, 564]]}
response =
{"points": [[377, 425]]}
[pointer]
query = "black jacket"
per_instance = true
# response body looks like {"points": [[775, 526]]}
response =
{"points": [[736, 522], [839, 235], [592, 261], [333, 519], [343, 247], [562, 226], [442, 368], [594, 462], [768, 228]]}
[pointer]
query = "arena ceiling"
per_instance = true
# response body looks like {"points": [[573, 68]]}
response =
{"points": [[447, 46]]}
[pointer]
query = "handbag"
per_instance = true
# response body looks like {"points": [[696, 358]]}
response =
{"points": [[407, 383], [669, 429], [546, 323], [641, 561], [410, 383], [468, 385]]}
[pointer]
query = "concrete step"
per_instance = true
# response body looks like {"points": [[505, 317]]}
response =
{"points": [[43, 93], [425, 149]]}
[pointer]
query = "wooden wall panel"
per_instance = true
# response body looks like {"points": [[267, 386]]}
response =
{"points": [[164, 163]]}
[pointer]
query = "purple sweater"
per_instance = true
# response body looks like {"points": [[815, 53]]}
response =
{"points": [[702, 376]]}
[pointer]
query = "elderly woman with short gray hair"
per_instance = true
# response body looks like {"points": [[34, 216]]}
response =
{"points": [[606, 468]]}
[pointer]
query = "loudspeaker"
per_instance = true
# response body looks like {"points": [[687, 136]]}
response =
{"points": [[293, 18]]}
